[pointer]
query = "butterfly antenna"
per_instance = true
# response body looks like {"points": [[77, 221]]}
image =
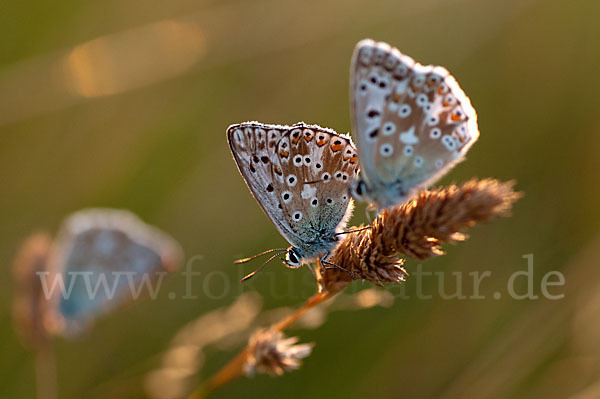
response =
{"points": [[261, 266], [353, 231], [245, 260]]}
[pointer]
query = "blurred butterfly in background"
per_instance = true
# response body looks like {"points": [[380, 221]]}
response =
{"points": [[300, 176], [99, 259], [412, 123]]}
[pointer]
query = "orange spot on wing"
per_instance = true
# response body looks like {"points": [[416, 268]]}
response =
{"points": [[336, 147], [284, 153], [455, 117], [295, 139], [321, 143], [277, 170], [353, 159], [445, 103], [307, 138]]}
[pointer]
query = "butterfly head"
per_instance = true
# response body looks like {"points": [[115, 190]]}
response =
{"points": [[293, 258]]}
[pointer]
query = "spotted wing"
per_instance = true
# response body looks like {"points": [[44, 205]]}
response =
{"points": [[98, 253], [412, 122], [254, 149], [313, 171], [298, 174]]}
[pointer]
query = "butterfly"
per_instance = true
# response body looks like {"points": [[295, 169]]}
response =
{"points": [[300, 176], [412, 123], [103, 257]]}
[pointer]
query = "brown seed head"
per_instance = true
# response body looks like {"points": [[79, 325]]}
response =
{"points": [[269, 351], [416, 229]]}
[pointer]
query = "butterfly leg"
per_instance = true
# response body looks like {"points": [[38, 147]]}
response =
{"points": [[371, 212], [328, 265]]}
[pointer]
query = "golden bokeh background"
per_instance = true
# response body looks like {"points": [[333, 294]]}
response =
{"points": [[125, 104]]}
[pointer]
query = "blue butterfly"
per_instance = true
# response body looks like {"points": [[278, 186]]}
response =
{"points": [[300, 176], [412, 123], [101, 258]]}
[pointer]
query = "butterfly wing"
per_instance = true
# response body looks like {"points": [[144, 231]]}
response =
{"points": [[254, 149], [98, 253], [299, 175], [412, 122], [316, 173]]}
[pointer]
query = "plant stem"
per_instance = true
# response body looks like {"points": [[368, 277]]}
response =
{"points": [[45, 371], [235, 368]]}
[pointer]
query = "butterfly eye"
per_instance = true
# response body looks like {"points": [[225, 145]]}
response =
{"points": [[292, 258]]}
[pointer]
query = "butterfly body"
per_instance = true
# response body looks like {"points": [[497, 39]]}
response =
{"points": [[412, 123], [300, 176]]}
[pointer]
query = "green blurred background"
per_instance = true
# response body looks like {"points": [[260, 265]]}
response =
{"points": [[125, 104]]}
